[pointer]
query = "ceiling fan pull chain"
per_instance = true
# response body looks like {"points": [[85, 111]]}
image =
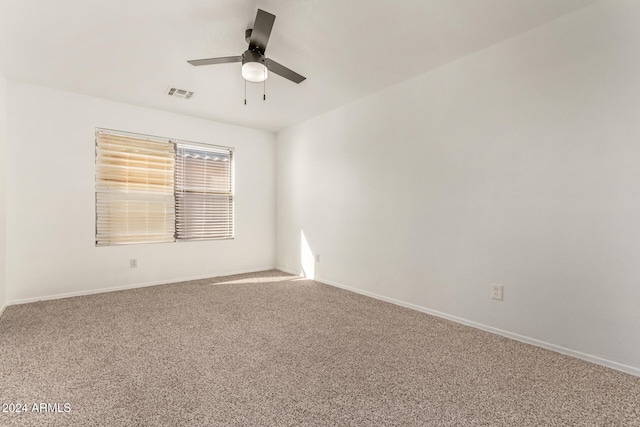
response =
{"points": [[245, 92], [264, 84]]}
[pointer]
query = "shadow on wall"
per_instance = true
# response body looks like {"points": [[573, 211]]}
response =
{"points": [[307, 259]]}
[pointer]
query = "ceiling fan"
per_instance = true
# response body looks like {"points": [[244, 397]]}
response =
{"points": [[255, 66]]}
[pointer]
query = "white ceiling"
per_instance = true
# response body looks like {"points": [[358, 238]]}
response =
{"points": [[131, 50]]}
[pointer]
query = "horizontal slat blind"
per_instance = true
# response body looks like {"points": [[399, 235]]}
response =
{"points": [[204, 192], [135, 201]]}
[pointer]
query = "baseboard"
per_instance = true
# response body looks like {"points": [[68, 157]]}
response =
{"points": [[2, 308], [566, 351], [287, 270], [133, 286]]}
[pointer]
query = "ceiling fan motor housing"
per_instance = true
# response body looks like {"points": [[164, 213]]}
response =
{"points": [[251, 56]]}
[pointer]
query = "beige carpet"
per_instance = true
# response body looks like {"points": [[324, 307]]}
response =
{"points": [[270, 349]]}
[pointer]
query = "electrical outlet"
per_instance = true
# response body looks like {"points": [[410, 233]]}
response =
{"points": [[133, 263], [496, 292], [317, 257]]}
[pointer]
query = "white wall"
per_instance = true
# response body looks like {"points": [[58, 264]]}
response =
{"points": [[51, 199], [3, 172], [517, 165]]}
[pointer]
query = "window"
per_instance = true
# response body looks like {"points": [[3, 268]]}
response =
{"points": [[154, 190], [204, 193]]}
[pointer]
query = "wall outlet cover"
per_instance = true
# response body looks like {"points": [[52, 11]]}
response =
{"points": [[497, 292]]}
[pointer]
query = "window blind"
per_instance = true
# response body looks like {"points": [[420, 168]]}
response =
{"points": [[135, 201], [204, 192]]}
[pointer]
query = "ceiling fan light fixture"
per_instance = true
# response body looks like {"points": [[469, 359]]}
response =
{"points": [[254, 72]]}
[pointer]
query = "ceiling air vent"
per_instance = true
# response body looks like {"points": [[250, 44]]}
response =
{"points": [[179, 93]]}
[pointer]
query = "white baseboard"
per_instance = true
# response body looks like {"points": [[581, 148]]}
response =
{"points": [[133, 286], [573, 353], [2, 309], [287, 270]]}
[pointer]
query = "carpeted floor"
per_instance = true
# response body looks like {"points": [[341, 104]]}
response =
{"points": [[268, 349]]}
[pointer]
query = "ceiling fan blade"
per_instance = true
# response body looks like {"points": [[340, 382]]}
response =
{"points": [[261, 31], [283, 71], [211, 61]]}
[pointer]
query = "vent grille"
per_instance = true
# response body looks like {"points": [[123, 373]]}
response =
{"points": [[179, 93]]}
